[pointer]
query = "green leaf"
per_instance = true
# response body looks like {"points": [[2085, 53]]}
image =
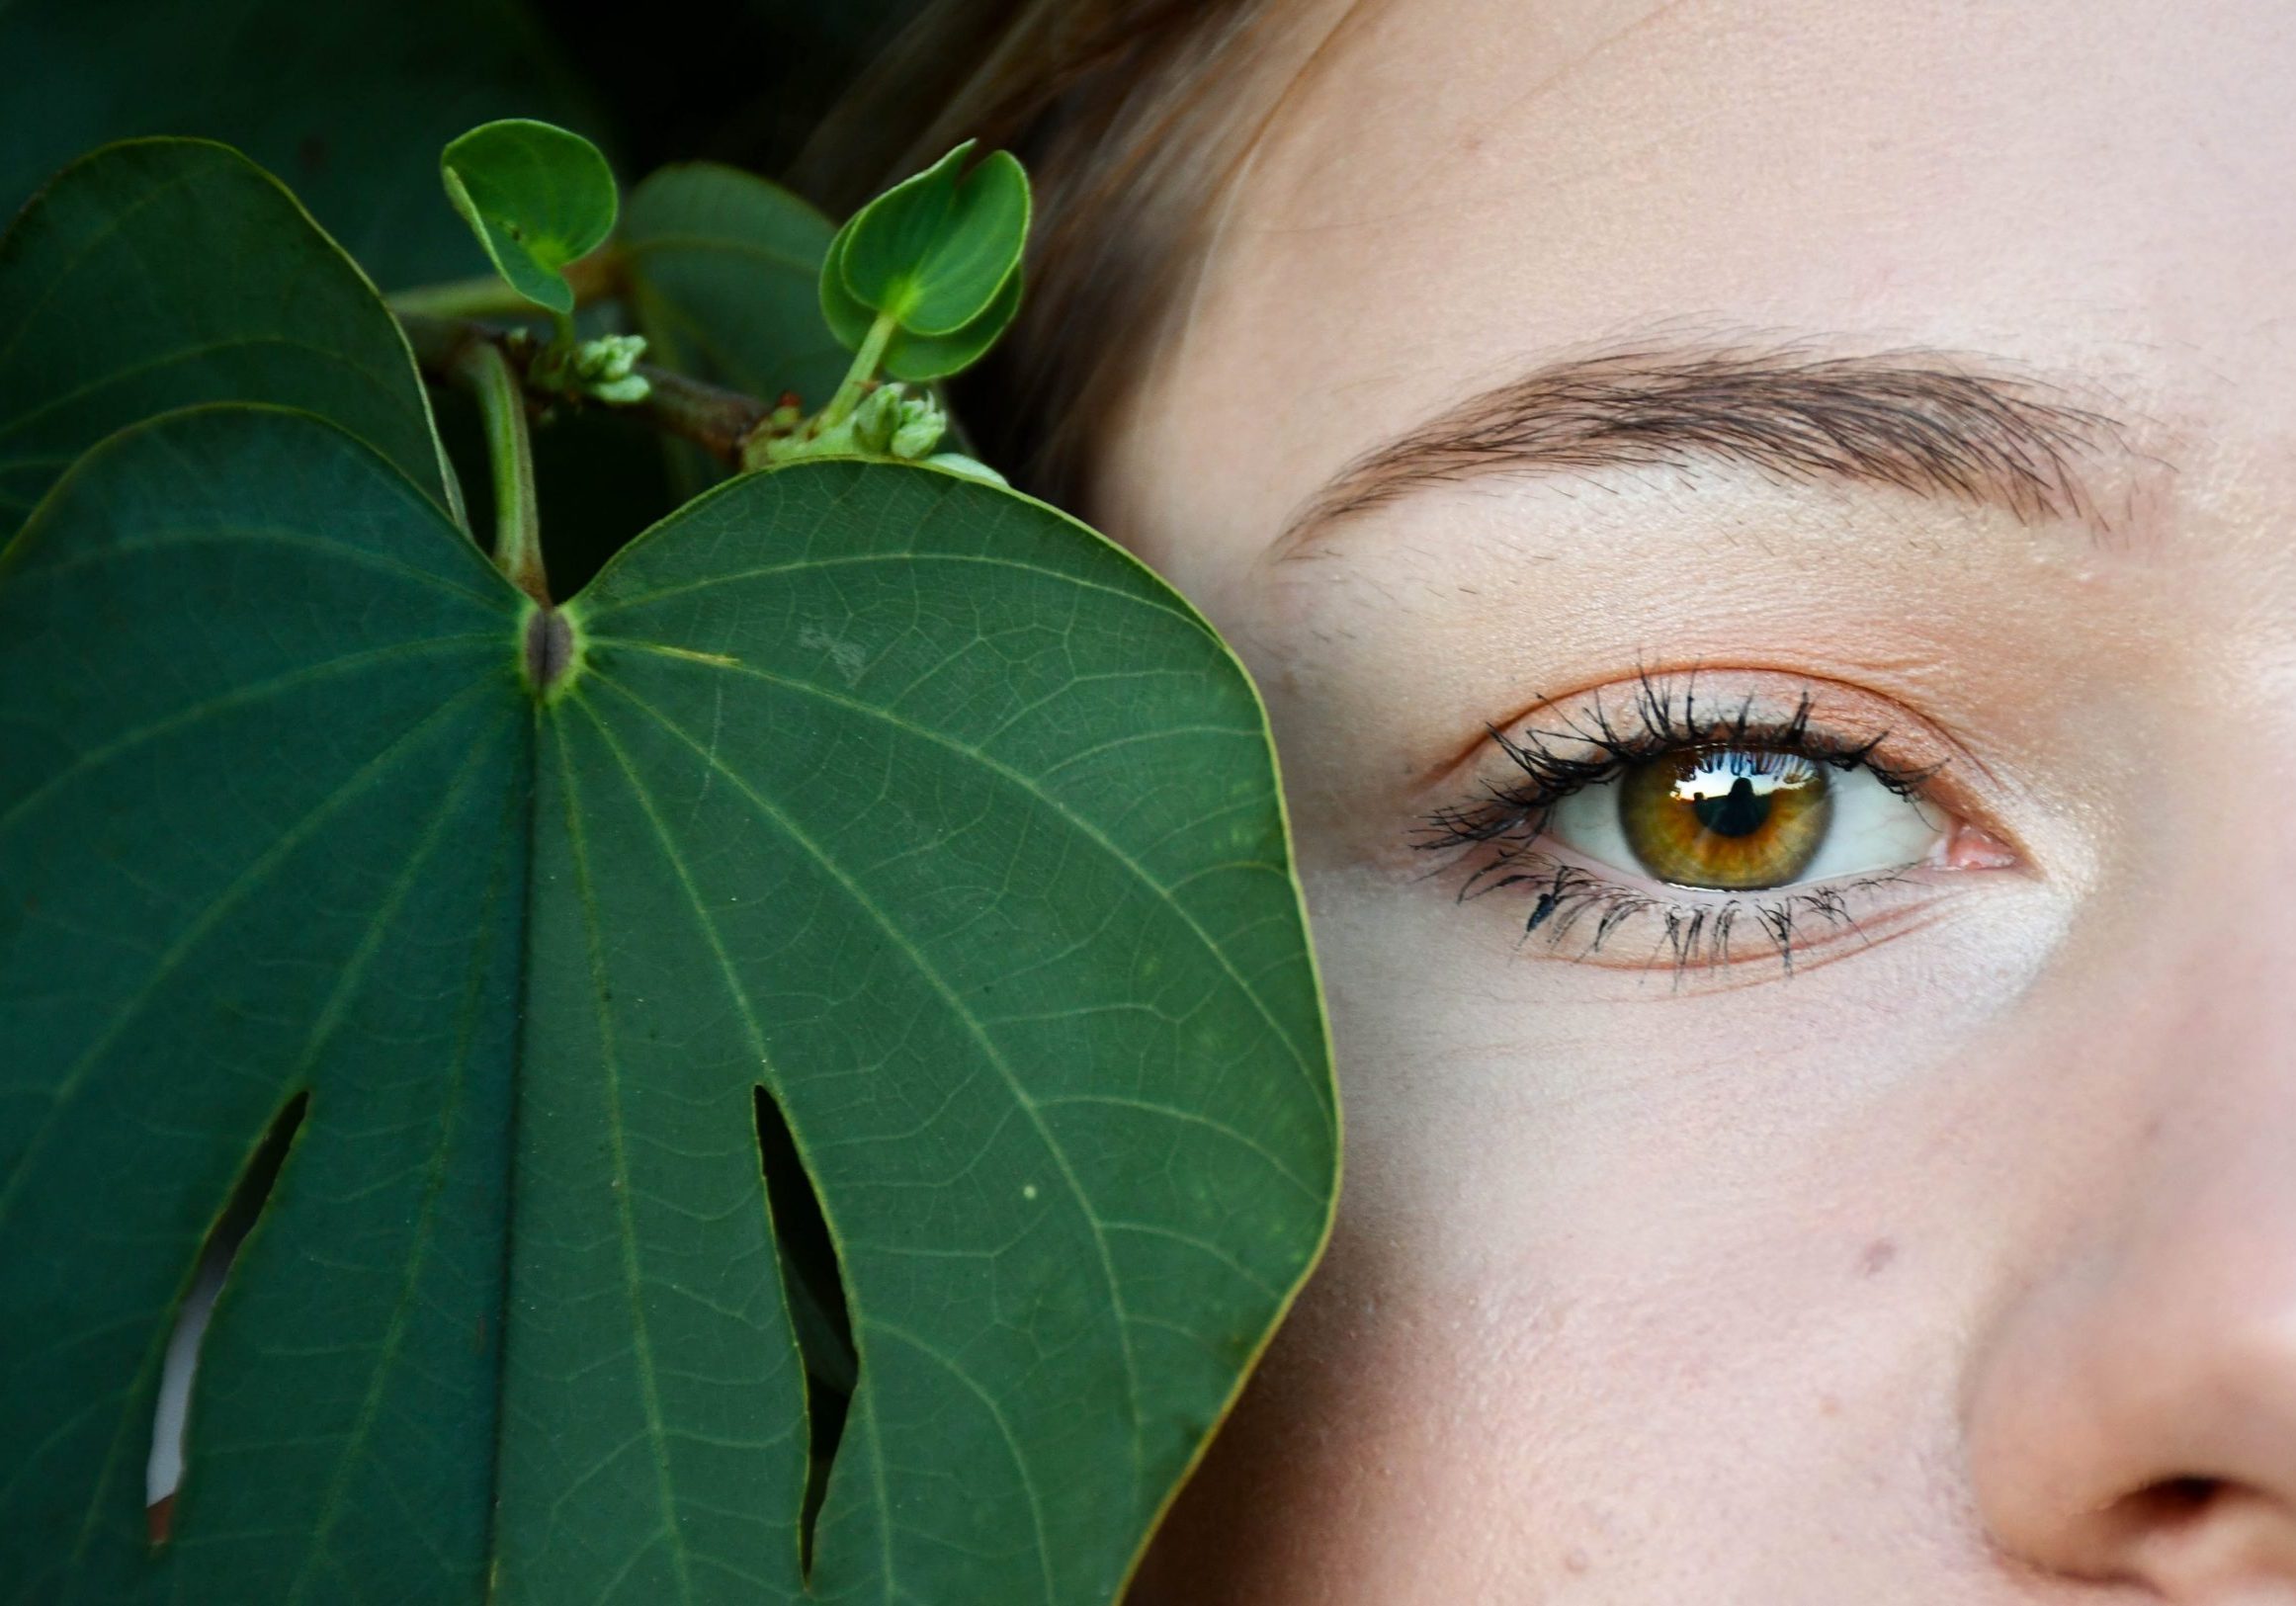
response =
{"points": [[917, 357], [536, 197], [904, 797], [933, 252], [723, 269], [934, 357], [159, 272], [257, 708], [348, 102]]}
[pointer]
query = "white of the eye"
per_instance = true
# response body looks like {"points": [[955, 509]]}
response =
{"points": [[1871, 829]]}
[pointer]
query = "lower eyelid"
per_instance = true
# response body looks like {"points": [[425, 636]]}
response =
{"points": [[1580, 912]]}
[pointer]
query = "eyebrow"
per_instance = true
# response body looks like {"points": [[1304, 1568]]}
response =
{"points": [[1925, 422]]}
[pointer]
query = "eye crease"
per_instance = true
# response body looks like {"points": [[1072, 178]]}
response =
{"points": [[1704, 825]]}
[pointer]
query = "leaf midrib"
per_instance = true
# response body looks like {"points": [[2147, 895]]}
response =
{"points": [[330, 1509], [641, 1337], [757, 1047]]}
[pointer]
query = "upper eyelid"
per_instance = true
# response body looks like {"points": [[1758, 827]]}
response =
{"points": [[1903, 741], [1557, 775], [1471, 808]]}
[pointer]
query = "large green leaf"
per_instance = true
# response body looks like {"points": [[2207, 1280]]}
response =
{"points": [[723, 268], [904, 798], [349, 101], [159, 272]]}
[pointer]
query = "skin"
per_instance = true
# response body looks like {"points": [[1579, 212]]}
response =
{"points": [[1959, 1265]]}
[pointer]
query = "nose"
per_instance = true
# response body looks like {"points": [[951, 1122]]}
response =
{"points": [[2132, 1412]]}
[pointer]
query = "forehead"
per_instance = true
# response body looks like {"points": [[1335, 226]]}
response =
{"points": [[1455, 189]]}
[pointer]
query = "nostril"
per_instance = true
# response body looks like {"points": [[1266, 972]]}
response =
{"points": [[2175, 1501], [2206, 1539]]}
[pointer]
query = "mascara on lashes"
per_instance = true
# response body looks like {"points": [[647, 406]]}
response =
{"points": [[1501, 836]]}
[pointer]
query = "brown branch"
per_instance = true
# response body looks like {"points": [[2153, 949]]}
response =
{"points": [[716, 420]]}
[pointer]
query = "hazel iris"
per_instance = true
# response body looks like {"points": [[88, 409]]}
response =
{"points": [[1730, 818]]}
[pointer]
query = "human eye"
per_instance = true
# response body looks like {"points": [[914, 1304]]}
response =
{"points": [[1776, 813]]}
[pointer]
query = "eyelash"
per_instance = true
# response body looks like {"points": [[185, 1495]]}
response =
{"points": [[1511, 819]]}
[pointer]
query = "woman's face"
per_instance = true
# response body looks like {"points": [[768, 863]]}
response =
{"points": [[1844, 1151]]}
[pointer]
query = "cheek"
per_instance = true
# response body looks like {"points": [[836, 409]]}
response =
{"points": [[1474, 1409], [1381, 1452], [1601, 1296]]}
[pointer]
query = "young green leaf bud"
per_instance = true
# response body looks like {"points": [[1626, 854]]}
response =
{"points": [[921, 423]]}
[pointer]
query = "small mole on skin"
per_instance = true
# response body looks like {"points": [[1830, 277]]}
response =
{"points": [[1877, 1257], [1575, 1562]]}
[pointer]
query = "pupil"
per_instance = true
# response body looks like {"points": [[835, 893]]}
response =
{"points": [[1736, 812]]}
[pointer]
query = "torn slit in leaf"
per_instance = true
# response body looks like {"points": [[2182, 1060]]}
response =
{"points": [[163, 1471], [815, 1285]]}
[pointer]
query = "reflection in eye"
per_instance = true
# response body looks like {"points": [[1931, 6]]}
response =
{"points": [[1744, 817]]}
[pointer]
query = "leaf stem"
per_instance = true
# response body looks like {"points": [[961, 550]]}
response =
{"points": [[487, 297], [596, 277], [517, 525], [856, 378]]}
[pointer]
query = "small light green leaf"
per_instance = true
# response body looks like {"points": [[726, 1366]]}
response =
{"points": [[848, 317], [538, 198], [933, 252], [159, 272], [910, 356], [935, 356]]}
